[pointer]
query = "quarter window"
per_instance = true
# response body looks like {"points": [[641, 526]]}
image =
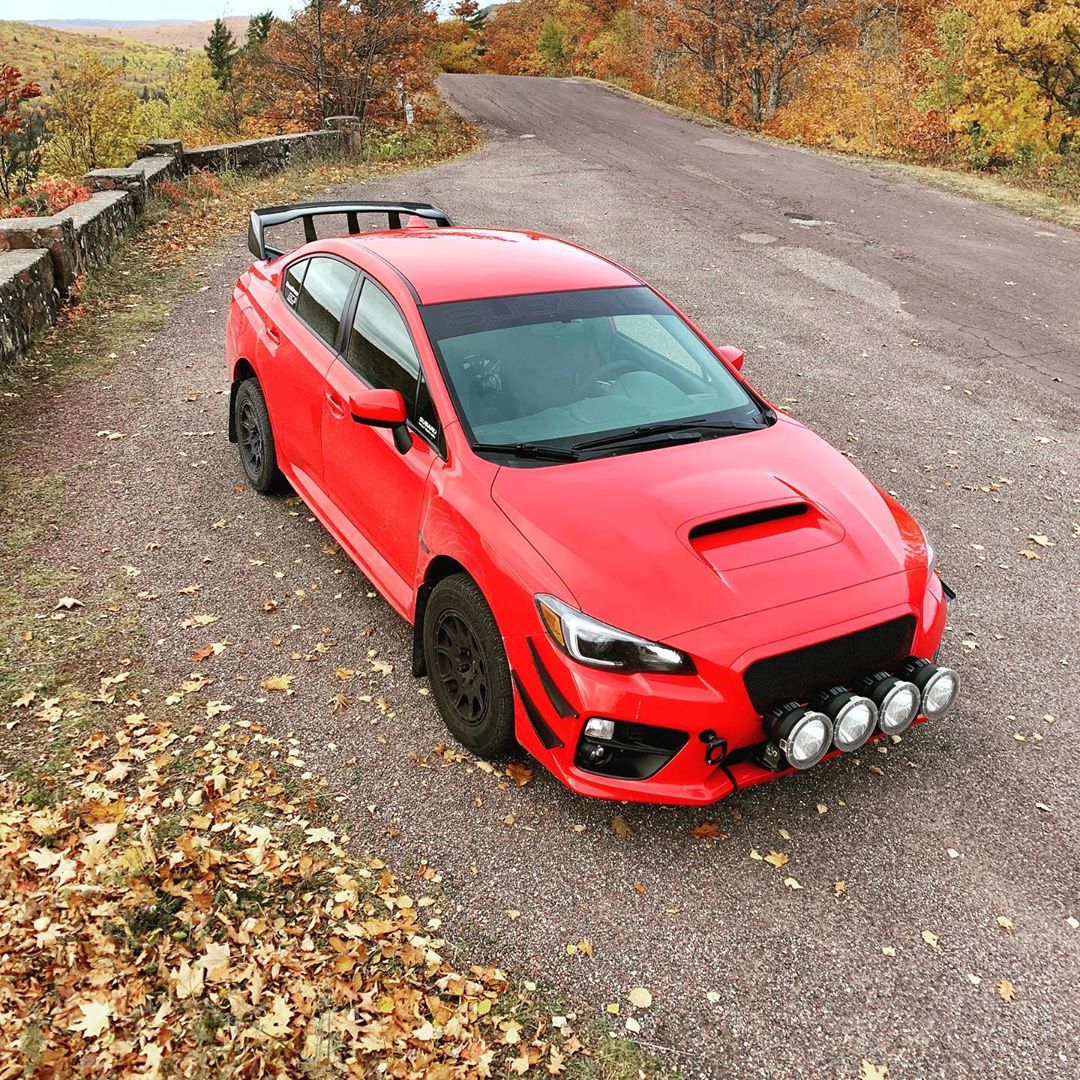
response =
{"points": [[294, 278], [322, 296]]}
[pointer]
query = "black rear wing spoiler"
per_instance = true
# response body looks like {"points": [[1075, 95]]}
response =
{"points": [[308, 212]]}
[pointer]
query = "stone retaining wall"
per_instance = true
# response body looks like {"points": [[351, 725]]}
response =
{"points": [[41, 258]]}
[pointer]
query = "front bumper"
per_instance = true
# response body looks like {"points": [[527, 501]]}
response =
{"points": [[556, 695]]}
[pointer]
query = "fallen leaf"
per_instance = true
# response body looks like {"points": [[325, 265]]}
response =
{"points": [[67, 603], [869, 1071], [94, 1018], [1004, 922], [930, 938], [280, 683], [519, 772], [640, 997], [1006, 991], [777, 859], [791, 883], [621, 827], [707, 830]]}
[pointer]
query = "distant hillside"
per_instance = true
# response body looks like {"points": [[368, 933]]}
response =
{"points": [[40, 51], [165, 33]]}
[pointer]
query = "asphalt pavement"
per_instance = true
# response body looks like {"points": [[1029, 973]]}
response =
{"points": [[919, 332]]}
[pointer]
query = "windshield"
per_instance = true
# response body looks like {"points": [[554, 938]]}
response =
{"points": [[555, 368]]}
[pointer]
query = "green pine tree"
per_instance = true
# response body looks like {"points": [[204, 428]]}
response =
{"points": [[258, 30], [220, 50]]}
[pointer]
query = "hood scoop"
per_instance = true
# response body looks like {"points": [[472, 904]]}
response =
{"points": [[760, 533]]}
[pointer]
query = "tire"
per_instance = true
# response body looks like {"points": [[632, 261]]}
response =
{"points": [[467, 667], [255, 438]]}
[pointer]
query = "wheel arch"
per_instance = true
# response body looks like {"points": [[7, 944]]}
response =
{"points": [[243, 370], [439, 568]]}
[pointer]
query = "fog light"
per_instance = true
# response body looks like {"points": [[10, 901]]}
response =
{"points": [[853, 716], [939, 686], [802, 734], [596, 728], [597, 754], [897, 701]]}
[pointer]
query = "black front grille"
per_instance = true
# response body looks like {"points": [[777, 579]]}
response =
{"points": [[795, 675]]}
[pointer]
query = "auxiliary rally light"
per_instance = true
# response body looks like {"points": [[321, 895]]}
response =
{"points": [[854, 717], [939, 686], [804, 735], [897, 701]]}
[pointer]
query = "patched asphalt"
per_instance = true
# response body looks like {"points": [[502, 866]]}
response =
{"points": [[867, 325]]}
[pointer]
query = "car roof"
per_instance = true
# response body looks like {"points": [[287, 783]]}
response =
{"points": [[444, 265]]}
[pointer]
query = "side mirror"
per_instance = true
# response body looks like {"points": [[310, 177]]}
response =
{"points": [[382, 408], [733, 355]]}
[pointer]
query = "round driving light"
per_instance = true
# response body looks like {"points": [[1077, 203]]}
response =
{"points": [[804, 735], [854, 723], [939, 694], [898, 707], [853, 716], [939, 686]]}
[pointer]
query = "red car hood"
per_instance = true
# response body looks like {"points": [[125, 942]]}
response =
{"points": [[664, 541]]}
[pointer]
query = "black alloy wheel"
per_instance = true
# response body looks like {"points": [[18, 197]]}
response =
{"points": [[467, 666], [255, 438]]}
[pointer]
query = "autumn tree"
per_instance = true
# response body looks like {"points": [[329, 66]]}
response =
{"points": [[94, 121], [21, 132], [461, 46], [354, 59]]}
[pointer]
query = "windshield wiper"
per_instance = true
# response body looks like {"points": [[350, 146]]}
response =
{"points": [[540, 451], [692, 428]]}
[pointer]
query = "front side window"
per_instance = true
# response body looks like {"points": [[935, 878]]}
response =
{"points": [[380, 347], [562, 367], [322, 296]]}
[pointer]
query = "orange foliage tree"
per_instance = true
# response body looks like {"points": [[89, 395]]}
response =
{"points": [[342, 59]]}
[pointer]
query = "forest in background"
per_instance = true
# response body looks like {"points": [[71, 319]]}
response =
{"points": [[975, 84], [286, 75]]}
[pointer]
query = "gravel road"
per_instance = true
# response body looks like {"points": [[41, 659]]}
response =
{"points": [[919, 332]]}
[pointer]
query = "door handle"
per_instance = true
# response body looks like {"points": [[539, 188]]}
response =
{"points": [[335, 406], [272, 333]]}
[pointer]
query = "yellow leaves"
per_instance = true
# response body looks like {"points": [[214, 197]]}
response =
{"points": [[278, 683], [320, 835], [188, 980], [792, 883], [776, 858], [202, 619], [94, 1018], [275, 1023], [1004, 922], [640, 997], [930, 938], [869, 1071], [1006, 991]]}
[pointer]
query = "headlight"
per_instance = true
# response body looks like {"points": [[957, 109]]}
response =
{"points": [[931, 554], [595, 643]]}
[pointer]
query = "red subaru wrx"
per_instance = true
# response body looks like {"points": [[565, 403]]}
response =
{"points": [[613, 550]]}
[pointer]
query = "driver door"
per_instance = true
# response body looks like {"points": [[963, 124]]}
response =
{"points": [[376, 486]]}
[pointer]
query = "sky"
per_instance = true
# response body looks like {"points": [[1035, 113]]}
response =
{"points": [[145, 9], [138, 9]]}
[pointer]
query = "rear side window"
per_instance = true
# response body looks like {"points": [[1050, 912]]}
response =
{"points": [[323, 293], [380, 347]]}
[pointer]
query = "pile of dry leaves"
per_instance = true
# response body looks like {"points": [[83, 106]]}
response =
{"points": [[167, 907]]}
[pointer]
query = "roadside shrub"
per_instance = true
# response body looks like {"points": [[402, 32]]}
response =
{"points": [[44, 198]]}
